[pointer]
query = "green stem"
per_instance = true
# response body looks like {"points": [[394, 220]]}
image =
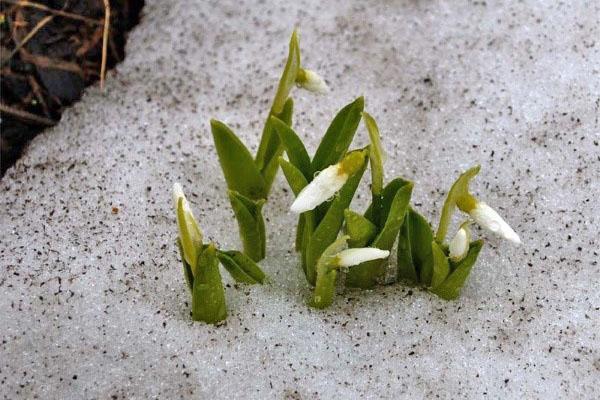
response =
{"points": [[324, 289]]}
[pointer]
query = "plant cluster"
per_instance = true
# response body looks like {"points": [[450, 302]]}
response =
{"points": [[330, 237]]}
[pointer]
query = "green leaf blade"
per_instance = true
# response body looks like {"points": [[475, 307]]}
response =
{"points": [[339, 136], [416, 233], [267, 160], [359, 229], [237, 163], [293, 146], [248, 214], [241, 267], [208, 295], [441, 267]]}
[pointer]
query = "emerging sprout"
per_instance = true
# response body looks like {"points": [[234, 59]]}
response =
{"points": [[311, 81], [201, 265]]}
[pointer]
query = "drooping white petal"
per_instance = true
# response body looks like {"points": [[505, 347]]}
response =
{"points": [[459, 245], [350, 257], [326, 184], [489, 219], [313, 82]]}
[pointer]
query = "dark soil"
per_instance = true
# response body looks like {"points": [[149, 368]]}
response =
{"points": [[50, 50]]}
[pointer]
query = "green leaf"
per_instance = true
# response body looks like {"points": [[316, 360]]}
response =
{"points": [[394, 216], [293, 147], [267, 160], [248, 213], [368, 274], [375, 154], [327, 274], [459, 189], [297, 182], [359, 229], [241, 267], [451, 287], [441, 267], [387, 197], [339, 136], [415, 262], [299, 233], [208, 295], [237, 163], [288, 78], [293, 175], [187, 270], [329, 227], [190, 249]]}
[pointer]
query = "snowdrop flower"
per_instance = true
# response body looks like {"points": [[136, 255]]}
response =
{"points": [[191, 239], [311, 81], [489, 219], [355, 256], [459, 245], [327, 183]]}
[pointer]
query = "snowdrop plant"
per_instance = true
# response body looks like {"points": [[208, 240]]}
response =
{"points": [[380, 224], [201, 265], [335, 258], [325, 185], [249, 178], [444, 268]]}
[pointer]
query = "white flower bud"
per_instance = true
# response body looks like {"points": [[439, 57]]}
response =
{"points": [[350, 257], [326, 184], [459, 245], [489, 219], [312, 82]]}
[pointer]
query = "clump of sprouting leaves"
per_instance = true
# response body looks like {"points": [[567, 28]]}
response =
{"points": [[444, 267], [249, 178], [324, 186], [201, 265], [324, 201]]}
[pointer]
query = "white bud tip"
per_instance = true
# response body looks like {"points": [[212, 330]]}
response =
{"points": [[177, 194], [459, 245], [350, 257], [325, 185], [489, 219], [314, 83]]}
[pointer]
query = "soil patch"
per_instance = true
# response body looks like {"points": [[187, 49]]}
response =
{"points": [[50, 50]]}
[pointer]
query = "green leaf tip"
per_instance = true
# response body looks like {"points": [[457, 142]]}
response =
{"points": [[237, 163], [288, 77], [241, 267], [338, 136], [248, 213]]}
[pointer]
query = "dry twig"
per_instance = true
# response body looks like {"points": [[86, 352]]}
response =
{"points": [[28, 37], [26, 115], [61, 13], [104, 43]]}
